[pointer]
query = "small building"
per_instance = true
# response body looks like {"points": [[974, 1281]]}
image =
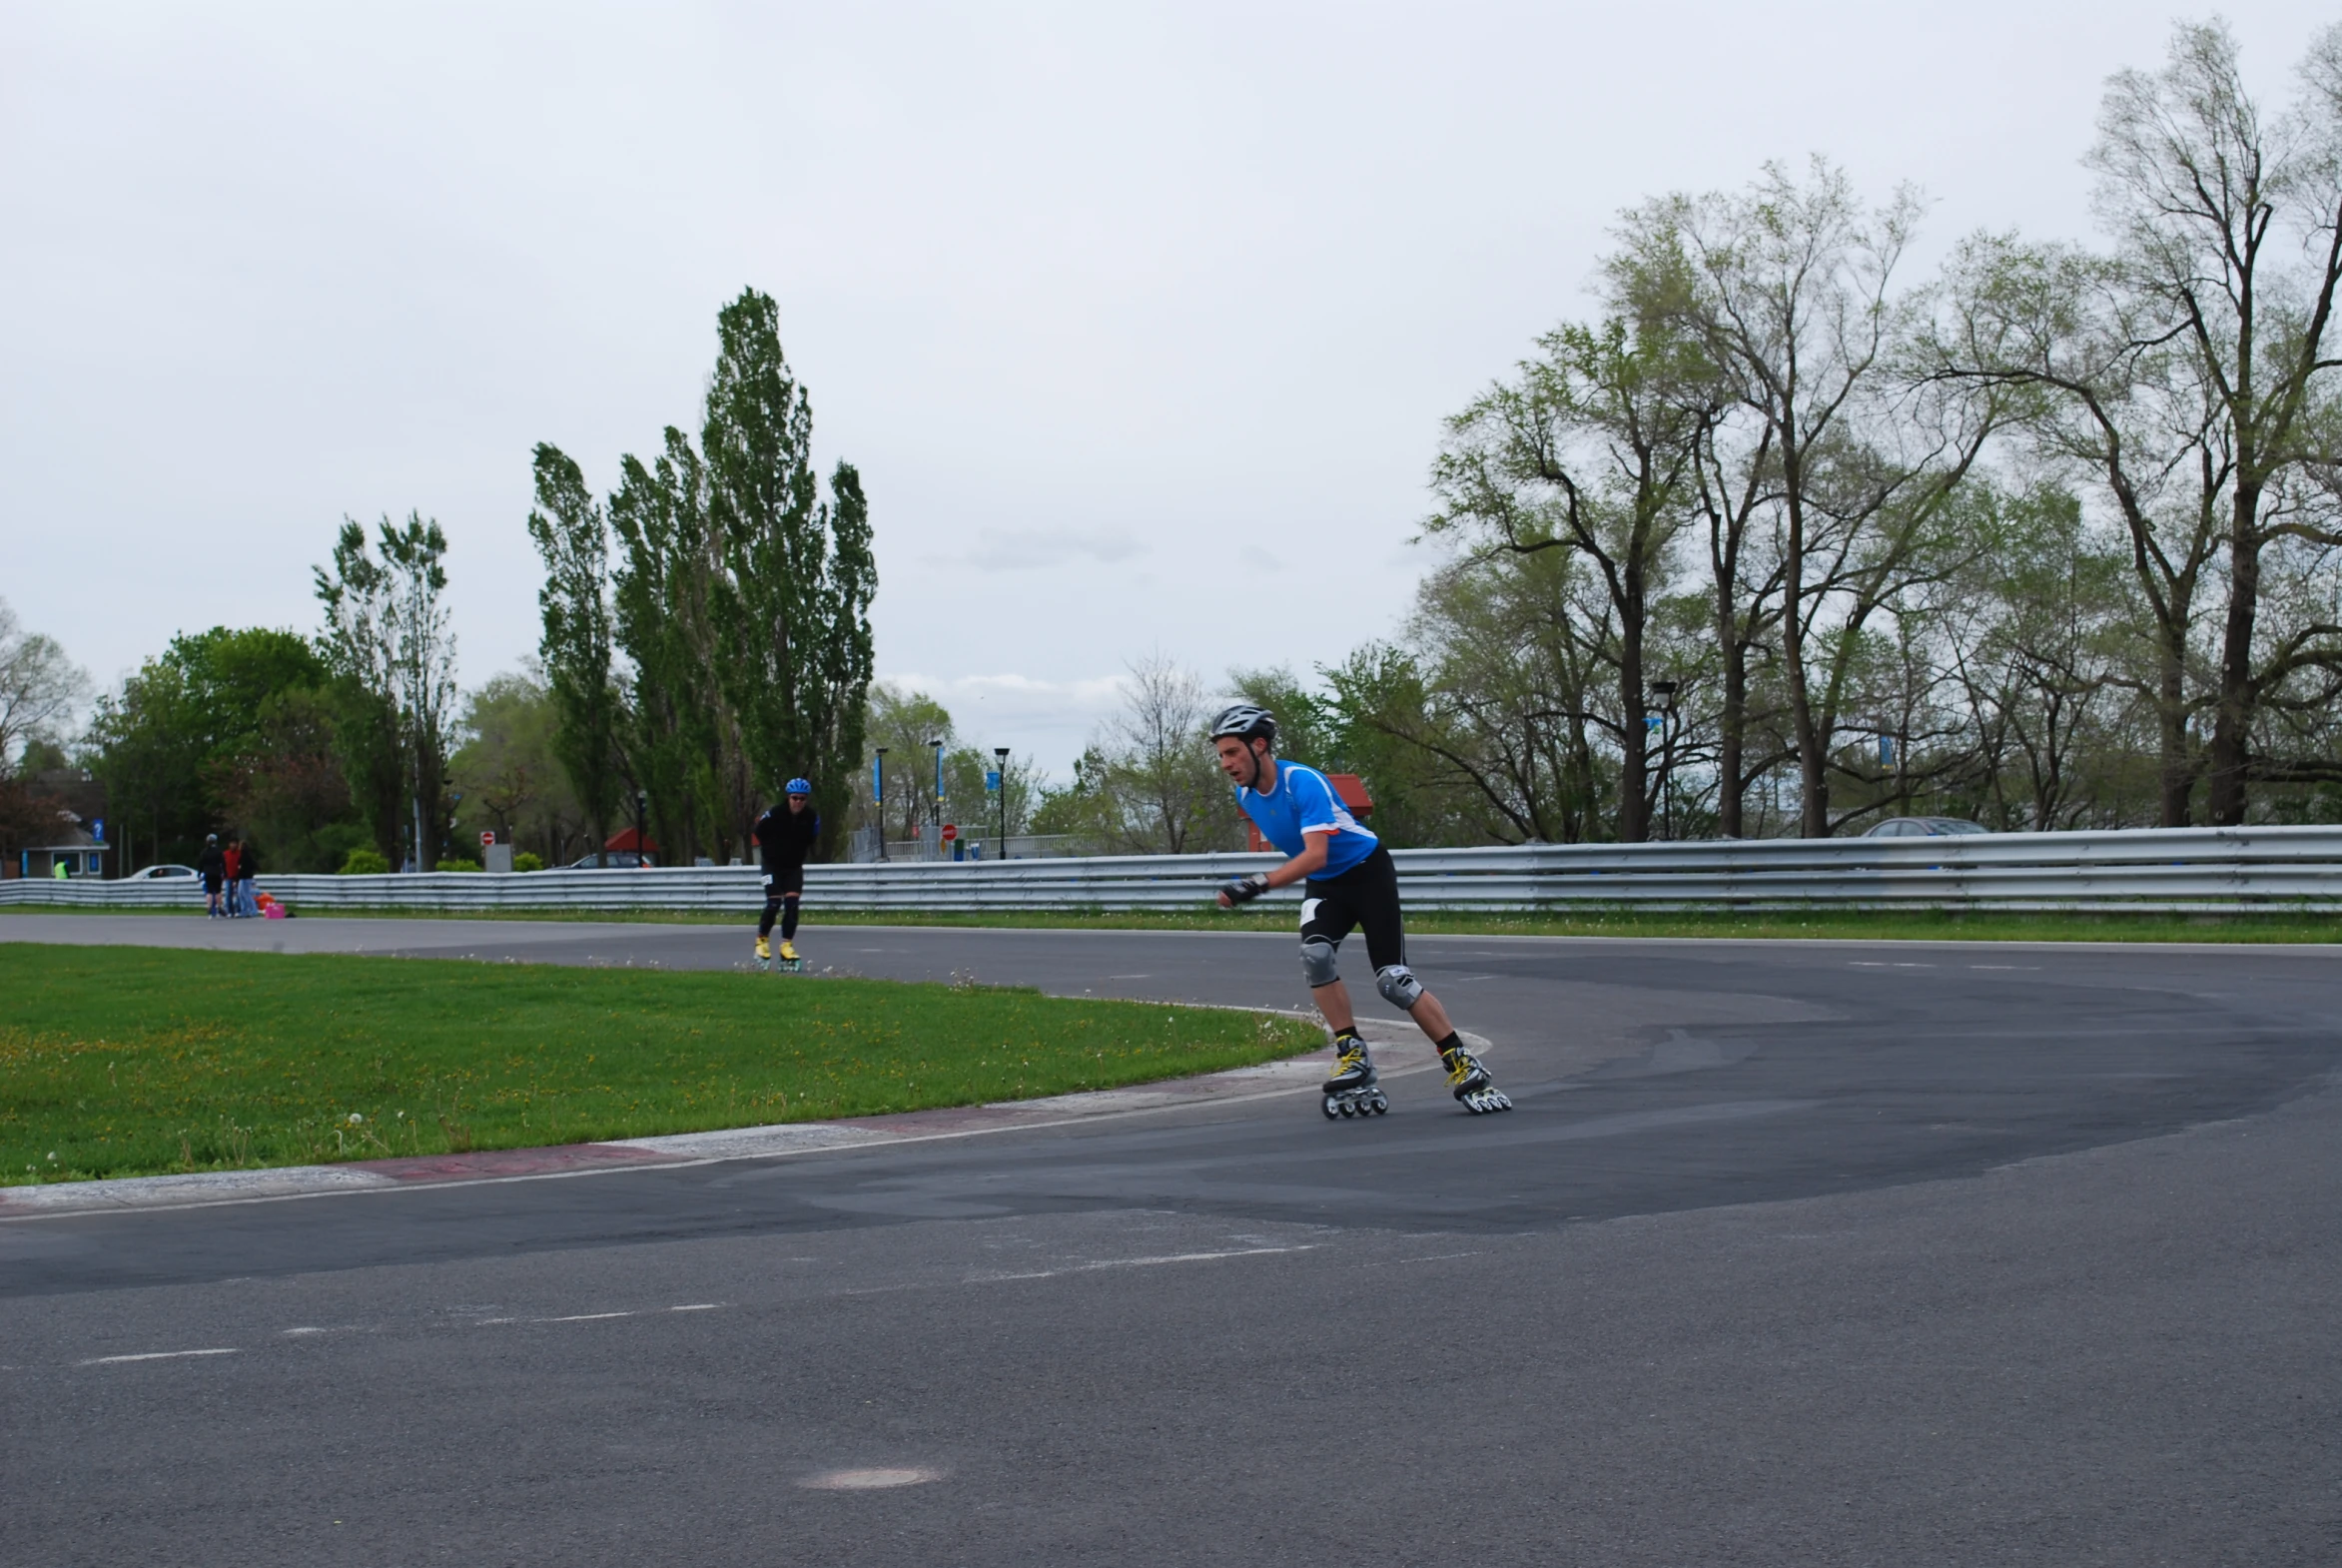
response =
{"points": [[72, 846]]}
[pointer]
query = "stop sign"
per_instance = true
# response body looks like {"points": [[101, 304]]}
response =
{"points": [[950, 831]]}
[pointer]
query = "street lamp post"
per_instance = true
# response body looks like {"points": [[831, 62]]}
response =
{"points": [[1001, 753], [641, 840], [878, 771], [1665, 691]]}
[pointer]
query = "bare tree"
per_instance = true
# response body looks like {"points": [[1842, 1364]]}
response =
{"points": [[39, 686], [2189, 374], [1593, 450], [1790, 286], [1163, 793]]}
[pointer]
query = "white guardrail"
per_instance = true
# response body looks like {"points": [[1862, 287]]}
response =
{"points": [[2193, 869]]}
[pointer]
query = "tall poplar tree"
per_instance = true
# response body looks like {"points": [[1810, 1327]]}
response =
{"points": [[792, 601], [572, 536]]}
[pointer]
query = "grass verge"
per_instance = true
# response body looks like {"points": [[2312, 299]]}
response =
{"points": [[1917, 925], [143, 1061]]}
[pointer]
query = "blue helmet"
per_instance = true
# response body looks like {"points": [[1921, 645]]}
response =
{"points": [[797, 787]]}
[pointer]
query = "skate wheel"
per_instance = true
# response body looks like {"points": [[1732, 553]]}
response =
{"points": [[1381, 1106], [1333, 1108], [1348, 1110]]}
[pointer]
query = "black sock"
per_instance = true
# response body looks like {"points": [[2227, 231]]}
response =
{"points": [[1453, 1041], [1349, 1032]]}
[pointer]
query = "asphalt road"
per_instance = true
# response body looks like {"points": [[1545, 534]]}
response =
{"points": [[1791, 1253]]}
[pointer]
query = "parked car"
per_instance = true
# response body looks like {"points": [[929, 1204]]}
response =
{"points": [[1924, 828], [157, 873], [610, 860]]}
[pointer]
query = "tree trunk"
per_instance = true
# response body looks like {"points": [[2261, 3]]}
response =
{"points": [[2178, 772], [1731, 741], [1634, 804], [1812, 783], [2224, 794]]}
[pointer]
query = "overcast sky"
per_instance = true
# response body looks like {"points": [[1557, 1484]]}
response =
{"points": [[1140, 321]]}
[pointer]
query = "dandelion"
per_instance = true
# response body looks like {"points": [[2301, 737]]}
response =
{"points": [[355, 1119]]}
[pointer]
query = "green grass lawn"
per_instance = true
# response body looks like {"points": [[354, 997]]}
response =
{"points": [[1914, 925], [140, 1061]]}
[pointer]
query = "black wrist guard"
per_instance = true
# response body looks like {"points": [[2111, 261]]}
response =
{"points": [[1243, 890]]}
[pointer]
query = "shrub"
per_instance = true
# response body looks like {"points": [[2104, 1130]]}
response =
{"points": [[365, 862], [456, 864], [528, 860]]}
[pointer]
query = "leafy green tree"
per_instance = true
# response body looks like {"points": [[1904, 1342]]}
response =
{"points": [[574, 606], [284, 787], [198, 728], [509, 771], [1593, 449], [792, 603], [905, 722], [2189, 376]]}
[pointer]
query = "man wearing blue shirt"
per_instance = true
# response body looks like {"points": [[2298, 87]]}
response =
{"points": [[1349, 883]]}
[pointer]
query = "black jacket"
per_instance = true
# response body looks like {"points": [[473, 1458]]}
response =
{"points": [[787, 837], [212, 864], [249, 865]]}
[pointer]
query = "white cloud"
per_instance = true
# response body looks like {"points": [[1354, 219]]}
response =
{"points": [[1115, 296], [1029, 548]]}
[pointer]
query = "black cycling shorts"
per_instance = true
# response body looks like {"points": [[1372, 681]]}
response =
{"points": [[786, 878], [1366, 896]]}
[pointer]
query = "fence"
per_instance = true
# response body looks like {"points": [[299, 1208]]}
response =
{"points": [[2193, 869], [975, 845]]}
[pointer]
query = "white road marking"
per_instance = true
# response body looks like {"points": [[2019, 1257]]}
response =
{"points": [[151, 1355], [1138, 1262], [868, 1481], [595, 1318]]}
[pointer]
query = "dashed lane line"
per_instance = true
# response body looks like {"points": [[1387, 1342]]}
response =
{"points": [[153, 1355]]}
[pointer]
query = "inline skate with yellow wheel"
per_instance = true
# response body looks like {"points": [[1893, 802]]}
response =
{"points": [[1351, 1090]]}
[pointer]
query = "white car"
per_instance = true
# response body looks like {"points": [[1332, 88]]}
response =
{"points": [[157, 873]]}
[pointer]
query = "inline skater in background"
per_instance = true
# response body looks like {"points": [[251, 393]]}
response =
{"points": [[1348, 881], [786, 836]]}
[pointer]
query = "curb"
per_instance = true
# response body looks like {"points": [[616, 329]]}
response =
{"points": [[208, 1189]]}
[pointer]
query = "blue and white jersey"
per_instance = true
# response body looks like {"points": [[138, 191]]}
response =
{"points": [[1303, 801]]}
